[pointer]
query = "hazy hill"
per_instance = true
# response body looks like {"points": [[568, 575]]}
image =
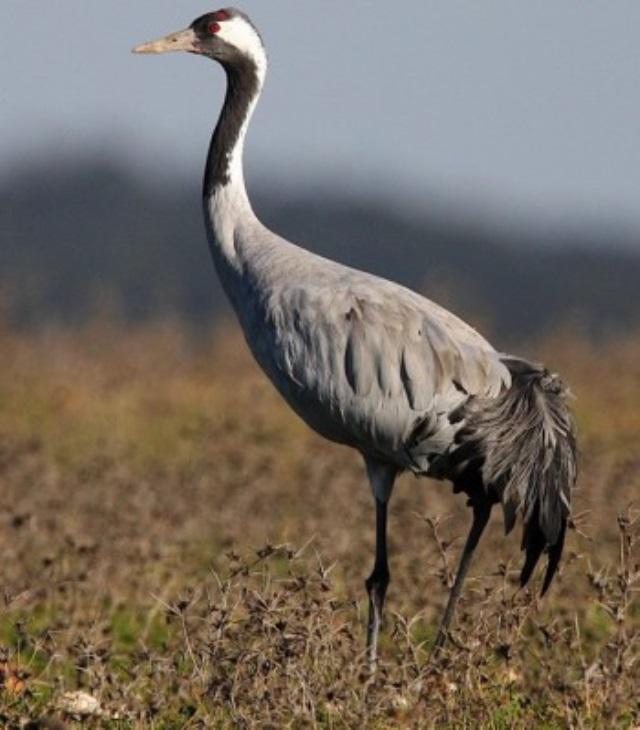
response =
{"points": [[75, 237]]}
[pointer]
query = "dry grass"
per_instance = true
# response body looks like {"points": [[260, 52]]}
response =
{"points": [[180, 548]]}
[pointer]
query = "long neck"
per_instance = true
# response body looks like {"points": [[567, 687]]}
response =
{"points": [[226, 203]]}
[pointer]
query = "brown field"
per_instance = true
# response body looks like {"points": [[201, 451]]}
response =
{"points": [[179, 547]]}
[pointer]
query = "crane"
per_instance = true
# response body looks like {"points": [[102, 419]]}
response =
{"points": [[372, 365]]}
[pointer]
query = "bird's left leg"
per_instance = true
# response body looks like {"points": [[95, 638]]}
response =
{"points": [[481, 514], [381, 477]]}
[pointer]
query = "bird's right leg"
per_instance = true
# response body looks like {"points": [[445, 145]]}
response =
{"points": [[381, 478], [377, 584]]}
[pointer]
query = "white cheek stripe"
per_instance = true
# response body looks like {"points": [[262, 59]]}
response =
{"points": [[240, 34]]}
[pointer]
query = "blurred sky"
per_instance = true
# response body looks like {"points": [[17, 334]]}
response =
{"points": [[522, 107]]}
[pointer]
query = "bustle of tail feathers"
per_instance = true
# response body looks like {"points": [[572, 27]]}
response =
{"points": [[524, 445]]}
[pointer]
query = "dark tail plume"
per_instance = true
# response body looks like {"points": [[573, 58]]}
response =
{"points": [[527, 447]]}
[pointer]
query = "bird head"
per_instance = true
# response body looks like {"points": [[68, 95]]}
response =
{"points": [[226, 36]]}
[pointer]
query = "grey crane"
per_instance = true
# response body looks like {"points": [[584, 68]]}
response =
{"points": [[372, 365]]}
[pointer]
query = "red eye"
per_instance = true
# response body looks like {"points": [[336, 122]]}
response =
{"points": [[213, 28], [221, 15]]}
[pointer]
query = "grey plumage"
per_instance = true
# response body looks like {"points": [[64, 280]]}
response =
{"points": [[373, 365], [362, 359]]}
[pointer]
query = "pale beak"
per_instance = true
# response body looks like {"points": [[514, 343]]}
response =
{"points": [[183, 40]]}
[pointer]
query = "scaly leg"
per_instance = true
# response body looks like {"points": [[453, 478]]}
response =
{"points": [[481, 513], [377, 584]]}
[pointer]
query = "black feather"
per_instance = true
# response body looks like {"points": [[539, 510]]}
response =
{"points": [[533, 542], [555, 553]]}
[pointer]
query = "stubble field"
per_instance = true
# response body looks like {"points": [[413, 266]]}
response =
{"points": [[179, 551]]}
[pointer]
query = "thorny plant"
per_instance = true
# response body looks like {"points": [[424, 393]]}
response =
{"points": [[270, 642], [132, 494]]}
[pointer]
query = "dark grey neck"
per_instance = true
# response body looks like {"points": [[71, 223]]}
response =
{"points": [[243, 87]]}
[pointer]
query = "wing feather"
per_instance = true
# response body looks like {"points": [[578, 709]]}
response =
{"points": [[358, 361], [415, 375], [377, 357]]}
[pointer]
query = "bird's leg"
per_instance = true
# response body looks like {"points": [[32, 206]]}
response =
{"points": [[481, 513], [377, 584]]}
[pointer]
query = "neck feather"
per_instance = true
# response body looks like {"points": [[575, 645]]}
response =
{"points": [[224, 193]]}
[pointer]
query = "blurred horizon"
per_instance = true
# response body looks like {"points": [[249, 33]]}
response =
{"points": [[104, 234], [485, 155], [469, 206]]}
